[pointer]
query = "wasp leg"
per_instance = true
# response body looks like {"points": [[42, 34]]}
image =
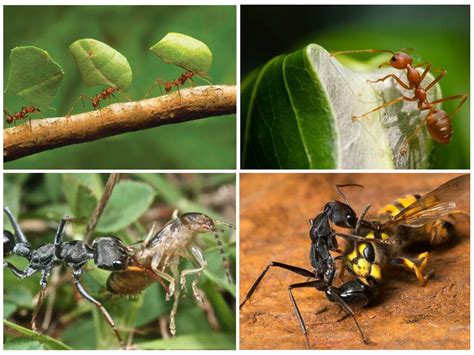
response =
{"points": [[198, 257], [76, 274], [294, 269], [416, 264]]}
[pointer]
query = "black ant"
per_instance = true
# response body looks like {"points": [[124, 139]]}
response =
{"points": [[323, 240], [25, 111], [108, 253], [438, 122]]}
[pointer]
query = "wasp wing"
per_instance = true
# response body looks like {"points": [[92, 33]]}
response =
{"points": [[433, 205]]}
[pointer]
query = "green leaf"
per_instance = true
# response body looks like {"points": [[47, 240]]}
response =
{"points": [[34, 76], [23, 344], [198, 341], [100, 64], [48, 342], [184, 51], [298, 108], [9, 308], [129, 200]]}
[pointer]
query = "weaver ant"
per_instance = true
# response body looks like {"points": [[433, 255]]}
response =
{"points": [[438, 122], [25, 111]]}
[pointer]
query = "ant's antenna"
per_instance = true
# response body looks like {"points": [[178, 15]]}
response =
{"points": [[15, 226], [339, 191]]}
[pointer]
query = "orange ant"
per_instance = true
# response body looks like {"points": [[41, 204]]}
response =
{"points": [[437, 121], [177, 82], [25, 111]]}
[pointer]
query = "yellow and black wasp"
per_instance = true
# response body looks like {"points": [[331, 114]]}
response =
{"points": [[409, 220]]}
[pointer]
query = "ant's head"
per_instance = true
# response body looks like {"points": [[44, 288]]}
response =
{"points": [[341, 214], [198, 222], [400, 60], [8, 242]]}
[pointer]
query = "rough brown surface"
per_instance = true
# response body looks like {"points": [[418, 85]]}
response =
{"points": [[275, 209]]}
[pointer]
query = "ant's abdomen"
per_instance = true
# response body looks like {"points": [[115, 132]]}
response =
{"points": [[439, 126]]}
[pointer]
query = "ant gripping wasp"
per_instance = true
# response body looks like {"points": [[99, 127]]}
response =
{"points": [[162, 252], [411, 219], [323, 241], [108, 253]]}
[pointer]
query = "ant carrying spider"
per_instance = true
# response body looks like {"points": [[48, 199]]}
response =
{"points": [[24, 113], [437, 121], [108, 253], [323, 240]]}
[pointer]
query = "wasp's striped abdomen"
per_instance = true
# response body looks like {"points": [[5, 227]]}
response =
{"points": [[391, 210]]}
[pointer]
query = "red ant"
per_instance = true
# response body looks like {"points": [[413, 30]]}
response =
{"points": [[25, 111], [104, 94], [437, 121], [177, 82]]}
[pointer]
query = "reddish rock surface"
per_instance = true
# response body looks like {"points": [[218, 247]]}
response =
{"points": [[275, 209]]}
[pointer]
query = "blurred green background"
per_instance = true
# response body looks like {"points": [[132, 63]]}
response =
{"points": [[132, 30], [438, 34], [38, 201]]}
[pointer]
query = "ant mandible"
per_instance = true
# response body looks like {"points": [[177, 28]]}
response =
{"points": [[438, 122], [24, 112]]}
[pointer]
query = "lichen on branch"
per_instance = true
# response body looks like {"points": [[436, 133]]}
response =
{"points": [[185, 105]]}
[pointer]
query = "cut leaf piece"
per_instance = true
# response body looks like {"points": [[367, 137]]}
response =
{"points": [[297, 113], [100, 64], [184, 51], [34, 76]]}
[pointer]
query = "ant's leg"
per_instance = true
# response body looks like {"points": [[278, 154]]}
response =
{"points": [[29, 271], [124, 95], [59, 236], [332, 291], [44, 283], [295, 305], [397, 79], [15, 225], [427, 70], [154, 85], [440, 76], [462, 97], [358, 238], [295, 269], [76, 274], [401, 98], [361, 218]]}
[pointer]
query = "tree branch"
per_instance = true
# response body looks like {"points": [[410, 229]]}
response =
{"points": [[186, 105]]}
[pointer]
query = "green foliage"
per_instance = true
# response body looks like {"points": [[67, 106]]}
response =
{"points": [[184, 51], [100, 64], [287, 117], [200, 144], [34, 76], [78, 323]]}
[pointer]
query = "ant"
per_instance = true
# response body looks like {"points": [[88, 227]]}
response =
{"points": [[25, 111], [108, 253], [103, 95], [438, 122], [169, 84], [161, 254], [323, 240]]}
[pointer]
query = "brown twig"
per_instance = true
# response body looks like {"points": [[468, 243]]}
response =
{"points": [[109, 186], [49, 133]]}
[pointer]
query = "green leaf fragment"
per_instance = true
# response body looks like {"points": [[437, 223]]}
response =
{"points": [[48, 342], [100, 64], [34, 76], [184, 51]]}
